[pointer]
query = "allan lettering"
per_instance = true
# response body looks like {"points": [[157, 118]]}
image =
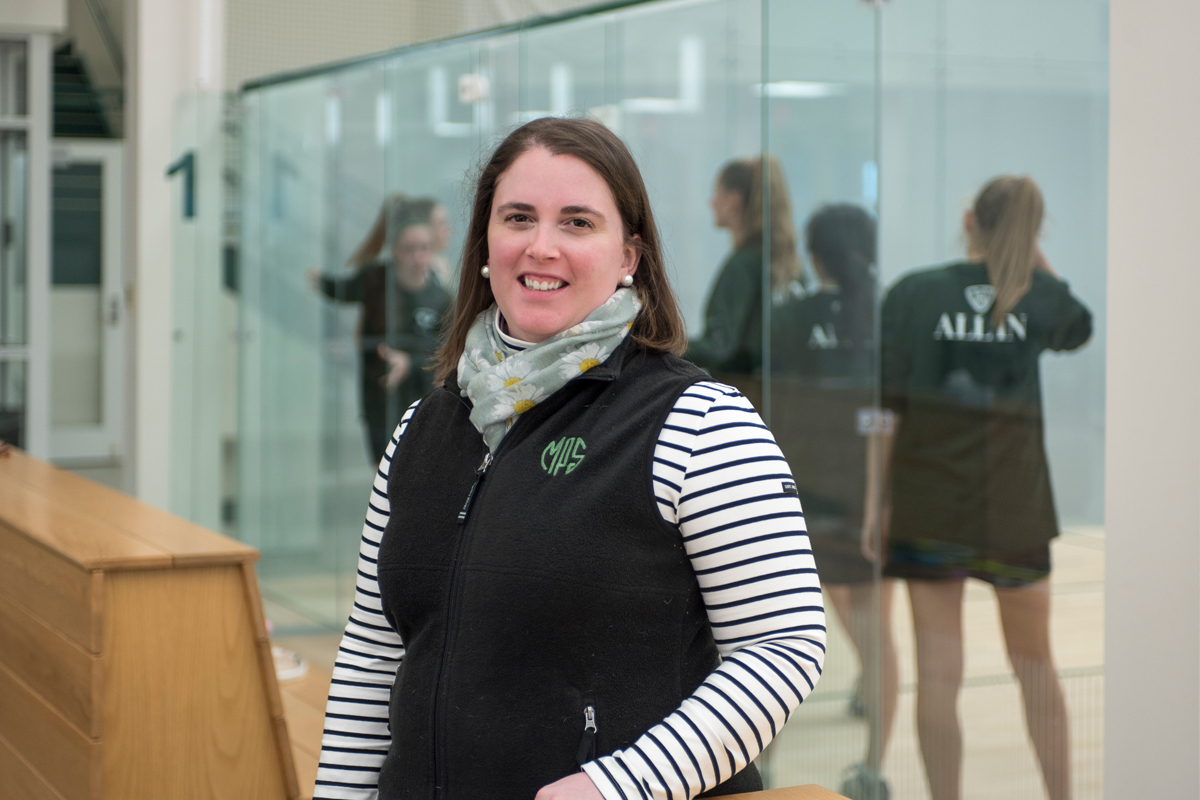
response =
{"points": [[1014, 328], [566, 452]]}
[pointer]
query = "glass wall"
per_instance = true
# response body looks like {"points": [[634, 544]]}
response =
{"points": [[202, 314], [326, 154], [809, 163], [14, 284], [971, 90]]}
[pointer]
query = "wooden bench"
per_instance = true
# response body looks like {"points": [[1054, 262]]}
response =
{"points": [[134, 659]]}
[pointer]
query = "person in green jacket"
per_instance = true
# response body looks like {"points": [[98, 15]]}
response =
{"points": [[731, 345], [965, 477], [402, 307]]}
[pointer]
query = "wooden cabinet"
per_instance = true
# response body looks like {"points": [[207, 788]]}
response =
{"points": [[134, 660], [809, 792]]}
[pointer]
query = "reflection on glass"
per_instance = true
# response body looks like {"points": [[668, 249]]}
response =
{"points": [[13, 283], [290, 453], [970, 492], [689, 86], [402, 306], [968, 91], [822, 377], [323, 153], [13, 92], [818, 107], [731, 347]]}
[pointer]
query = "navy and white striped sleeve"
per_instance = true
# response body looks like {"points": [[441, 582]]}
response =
{"points": [[719, 475], [357, 734]]}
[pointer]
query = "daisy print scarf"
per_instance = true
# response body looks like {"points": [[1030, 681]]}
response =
{"points": [[503, 382]]}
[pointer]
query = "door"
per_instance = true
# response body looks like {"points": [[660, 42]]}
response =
{"points": [[87, 306]]}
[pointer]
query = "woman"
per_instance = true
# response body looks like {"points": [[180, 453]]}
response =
{"points": [[439, 226], [969, 482], [584, 571], [830, 332], [401, 321], [822, 363], [731, 346]]}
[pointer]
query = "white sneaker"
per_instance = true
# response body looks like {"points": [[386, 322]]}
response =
{"points": [[288, 664]]}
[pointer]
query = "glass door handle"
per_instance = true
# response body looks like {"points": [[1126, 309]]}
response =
{"points": [[114, 310]]}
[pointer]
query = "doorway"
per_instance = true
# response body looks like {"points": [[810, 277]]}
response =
{"points": [[87, 305]]}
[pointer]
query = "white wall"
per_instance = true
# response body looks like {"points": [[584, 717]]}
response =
{"points": [[174, 58], [270, 36], [1152, 699], [33, 16], [37, 253]]}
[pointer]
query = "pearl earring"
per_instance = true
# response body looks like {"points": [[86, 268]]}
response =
{"points": [[484, 271], [627, 281]]}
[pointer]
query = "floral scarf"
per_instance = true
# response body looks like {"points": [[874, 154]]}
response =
{"points": [[502, 382]]}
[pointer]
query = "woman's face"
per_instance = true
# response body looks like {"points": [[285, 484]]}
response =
{"points": [[440, 223], [413, 253], [556, 244], [727, 207]]}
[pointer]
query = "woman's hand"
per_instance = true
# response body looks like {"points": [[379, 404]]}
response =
{"points": [[877, 516], [573, 787], [877, 500], [313, 276], [399, 365]]}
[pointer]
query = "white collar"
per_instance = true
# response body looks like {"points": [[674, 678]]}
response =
{"points": [[511, 341]]}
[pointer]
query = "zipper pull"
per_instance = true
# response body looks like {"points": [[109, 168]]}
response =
{"points": [[587, 744], [479, 471]]}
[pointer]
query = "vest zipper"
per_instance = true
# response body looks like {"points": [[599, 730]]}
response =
{"points": [[452, 605], [451, 614], [587, 742], [479, 472]]}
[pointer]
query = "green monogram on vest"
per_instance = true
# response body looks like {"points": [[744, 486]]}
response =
{"points": [[566, 452]]}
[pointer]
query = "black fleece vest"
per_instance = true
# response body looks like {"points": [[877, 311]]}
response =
{"points": [[562, 590]]}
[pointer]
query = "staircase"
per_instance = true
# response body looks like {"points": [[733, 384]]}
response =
{"points": [[78, 109]]}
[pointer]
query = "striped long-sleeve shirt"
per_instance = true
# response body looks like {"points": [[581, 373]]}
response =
{"points": [[716, 474]]}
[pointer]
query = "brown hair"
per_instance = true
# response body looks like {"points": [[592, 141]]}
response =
{"points": [[659, 325], [745, 176], [842, 237], [1008, 217], [395, 215], [403, 216]]}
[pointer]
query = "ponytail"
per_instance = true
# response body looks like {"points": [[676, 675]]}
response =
{"points": [[1008, 216]]}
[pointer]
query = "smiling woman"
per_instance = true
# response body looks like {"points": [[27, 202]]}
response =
{"points": [[552, 262], [618, 215], [590, 560]]}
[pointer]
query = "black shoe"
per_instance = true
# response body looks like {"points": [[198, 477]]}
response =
{"points": [[863, 783]]}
